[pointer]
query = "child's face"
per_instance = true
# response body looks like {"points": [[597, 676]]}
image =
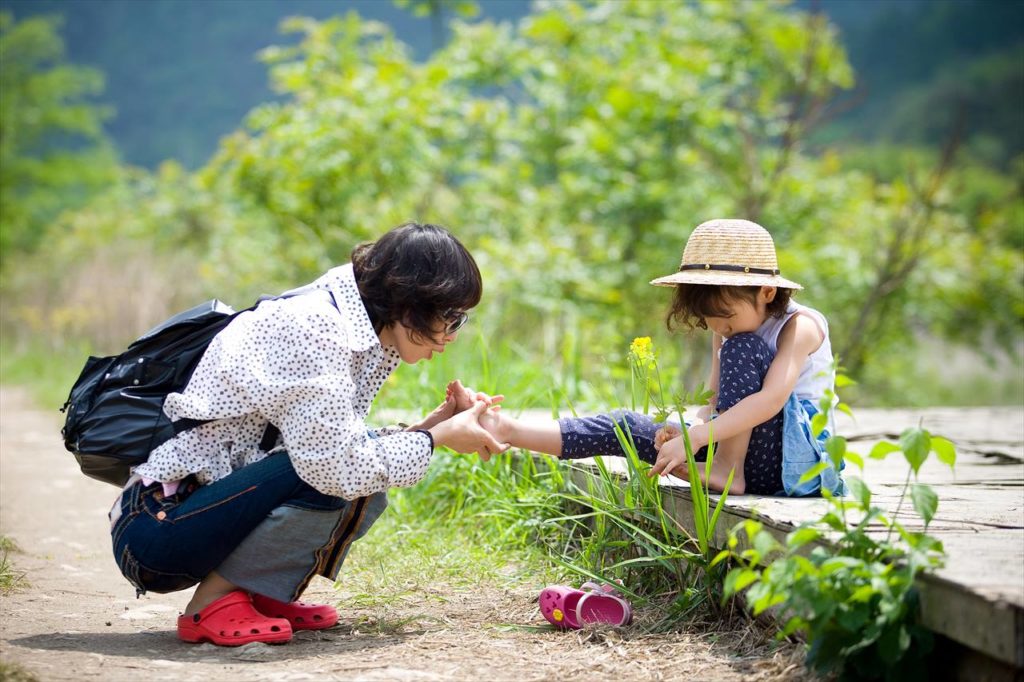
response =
{"points": [[745, 316]]}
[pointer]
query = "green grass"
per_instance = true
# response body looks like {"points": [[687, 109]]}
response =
{"points": [[12, 672], [10, 578], [412, 561], [46, 374]]}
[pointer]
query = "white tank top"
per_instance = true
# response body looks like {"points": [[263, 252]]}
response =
{"points": [[817, 374]]}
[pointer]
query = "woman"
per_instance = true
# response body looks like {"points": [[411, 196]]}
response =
{"points": [[285, 475]]}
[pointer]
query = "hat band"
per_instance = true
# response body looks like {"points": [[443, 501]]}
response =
{"points": [[728, 268]]}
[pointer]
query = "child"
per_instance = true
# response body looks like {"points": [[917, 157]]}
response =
{"points": [[771, 364]]}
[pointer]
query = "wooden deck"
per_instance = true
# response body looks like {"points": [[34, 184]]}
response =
{"points": [[977, 599]]}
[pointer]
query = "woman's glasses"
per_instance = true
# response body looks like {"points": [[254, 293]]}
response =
{"points": [[454, 320]]}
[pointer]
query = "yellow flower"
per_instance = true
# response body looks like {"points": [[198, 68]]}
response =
{"points": [[642, 351]]}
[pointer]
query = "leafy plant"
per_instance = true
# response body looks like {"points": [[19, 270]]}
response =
{"points": [[630, 531], [846, 580]]}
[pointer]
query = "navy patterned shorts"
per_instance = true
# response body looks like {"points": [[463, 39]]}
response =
{"points": [[743, 365]]}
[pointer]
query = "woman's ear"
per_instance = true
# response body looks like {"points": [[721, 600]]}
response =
{"points": [[768, 294]]}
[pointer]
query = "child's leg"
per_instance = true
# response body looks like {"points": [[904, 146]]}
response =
{"points": [[576, 437], [592, 436], [755, 454]]}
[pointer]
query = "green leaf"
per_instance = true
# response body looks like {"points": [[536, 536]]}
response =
{"points": [[893, 642], [818, 423], [720, 557], [801, 536], [915, 444], [883, 450], [860, 491], [813, 472], [836, 448], [944, 450], [832, 521], [852, 618], [746, 577], [765, 543], [739, 578], [926, 501], [862, 593], [855, 458], [792, 625]]}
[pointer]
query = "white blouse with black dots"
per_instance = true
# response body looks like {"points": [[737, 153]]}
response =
{"points": [[312, 370]]}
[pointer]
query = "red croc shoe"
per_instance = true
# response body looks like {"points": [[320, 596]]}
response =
{"points": [[233, 621], [301, 615]]}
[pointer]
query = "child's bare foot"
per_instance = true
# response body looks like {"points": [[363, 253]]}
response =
{"points": [[737, 487], [665, 434]]}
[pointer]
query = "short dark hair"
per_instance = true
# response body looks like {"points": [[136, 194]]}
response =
{"points": [[415, 274], [694, 302]]}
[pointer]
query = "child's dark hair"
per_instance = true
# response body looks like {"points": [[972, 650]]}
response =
{"points": [[693, 303], [416, 274]]}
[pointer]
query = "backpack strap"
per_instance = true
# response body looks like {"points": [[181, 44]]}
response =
{"points": [[270, 436], [186, 424], [271, 433]]}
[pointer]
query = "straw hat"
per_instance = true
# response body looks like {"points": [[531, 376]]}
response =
{"points": [[731, 252]]}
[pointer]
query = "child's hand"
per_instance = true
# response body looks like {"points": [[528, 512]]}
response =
{"points": [[665, 433], [671, 456], [704, 413]]}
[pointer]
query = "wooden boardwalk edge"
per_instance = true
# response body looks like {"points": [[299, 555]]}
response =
{"points": [[993, 627]]}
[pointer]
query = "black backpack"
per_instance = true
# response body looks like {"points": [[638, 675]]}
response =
{"points": [[115, 414]]}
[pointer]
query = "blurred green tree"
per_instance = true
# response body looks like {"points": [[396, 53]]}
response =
{"points": [[574, 152], [53, 152], [436, 9]]}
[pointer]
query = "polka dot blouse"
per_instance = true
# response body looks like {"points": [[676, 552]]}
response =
{"points": [[311, 365]]}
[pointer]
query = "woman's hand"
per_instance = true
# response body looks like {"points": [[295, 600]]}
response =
{"points": [[463, 433]]}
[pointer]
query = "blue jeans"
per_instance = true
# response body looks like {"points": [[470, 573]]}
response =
{"points": [[261, 528]]}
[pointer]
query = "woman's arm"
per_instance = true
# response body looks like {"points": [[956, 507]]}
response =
{"points": [[798, 339]]}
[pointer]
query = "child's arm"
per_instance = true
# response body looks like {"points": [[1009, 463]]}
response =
{"points": [[798, 339], [706, 411]]}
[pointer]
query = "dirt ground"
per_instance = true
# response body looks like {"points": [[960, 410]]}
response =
{"points": [[79, 619]]}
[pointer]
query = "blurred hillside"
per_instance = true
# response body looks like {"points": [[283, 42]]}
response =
{"points": [[183, 73], [572, 150]]}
